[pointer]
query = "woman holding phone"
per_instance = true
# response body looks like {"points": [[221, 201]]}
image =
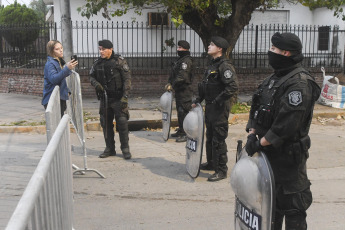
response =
{"points": [[55, 72]]}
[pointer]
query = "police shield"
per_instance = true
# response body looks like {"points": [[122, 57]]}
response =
{"points": [[253, 184], [193, 125], [166, 108]]}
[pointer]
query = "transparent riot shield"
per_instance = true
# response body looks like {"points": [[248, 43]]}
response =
{"points": [[193, 125], [166, 108], [253, 184]]}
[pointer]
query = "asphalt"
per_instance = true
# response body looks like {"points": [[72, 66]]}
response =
{"points": [[156, 174]]}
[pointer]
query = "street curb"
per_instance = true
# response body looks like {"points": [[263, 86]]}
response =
{"points": [[138, 124]]}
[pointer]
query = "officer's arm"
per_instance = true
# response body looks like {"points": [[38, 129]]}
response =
{"points": [[126, 77], [93, 77], [229, 79], [293, 112], [183, 73]]}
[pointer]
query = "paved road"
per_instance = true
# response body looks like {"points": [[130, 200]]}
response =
{"points": [[153, 190]]}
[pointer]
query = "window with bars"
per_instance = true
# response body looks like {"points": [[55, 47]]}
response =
{"points": [[157, 19], [324, 32]]}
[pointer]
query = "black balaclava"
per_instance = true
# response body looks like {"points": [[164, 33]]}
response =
{"points": [[183, 53], [289, 42]]}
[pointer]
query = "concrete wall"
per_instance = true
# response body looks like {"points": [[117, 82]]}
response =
{"points": [[145, 83]]}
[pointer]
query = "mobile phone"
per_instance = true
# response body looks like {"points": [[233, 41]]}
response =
{"points": [[74, 57]]}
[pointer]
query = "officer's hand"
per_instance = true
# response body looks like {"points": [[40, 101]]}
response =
{"points": [[99, 89], [253, 144], [168, 87], [217, 102], [124, 102]]}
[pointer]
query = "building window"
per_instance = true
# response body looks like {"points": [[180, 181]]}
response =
{"points": [[157, 19], [324, 37]]}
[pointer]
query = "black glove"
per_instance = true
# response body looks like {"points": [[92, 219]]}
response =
{"points": [[124, 102], [217, 102], [99, 89], [253, 144]]}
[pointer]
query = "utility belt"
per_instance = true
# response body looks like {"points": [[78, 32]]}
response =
{"points": [[114, 94], [302, 145], [298, 149]]}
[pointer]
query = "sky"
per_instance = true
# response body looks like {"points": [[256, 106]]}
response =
{"points": [[9, 2]]}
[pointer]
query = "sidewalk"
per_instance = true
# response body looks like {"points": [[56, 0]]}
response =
{"points": [[25, 114]]}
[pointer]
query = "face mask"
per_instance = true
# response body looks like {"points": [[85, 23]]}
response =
{"points": [[182, 53], [278, 61]]}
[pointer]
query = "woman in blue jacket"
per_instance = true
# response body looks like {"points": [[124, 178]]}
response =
{"points": [[55, 72]]}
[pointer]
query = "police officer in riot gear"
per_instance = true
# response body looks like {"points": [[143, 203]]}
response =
{"points": [[219, 85], [181, 81], [279, 122], [111, 77]]}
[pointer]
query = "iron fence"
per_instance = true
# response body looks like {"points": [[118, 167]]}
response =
{"points": [[154, 47]]}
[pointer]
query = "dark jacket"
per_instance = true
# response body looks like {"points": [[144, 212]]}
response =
{"points": [[181, 78], [113, 74]]}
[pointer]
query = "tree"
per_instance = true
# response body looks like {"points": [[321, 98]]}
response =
{"points": [[19, 16], [40, 8], [207, 18]]}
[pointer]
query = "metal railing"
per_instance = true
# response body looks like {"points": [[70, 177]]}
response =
{"points": [[75, 110], [154, 47], [47, 202], [53, 113]]}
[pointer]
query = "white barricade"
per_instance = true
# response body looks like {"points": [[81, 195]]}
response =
{"points": [[53, 114], [75, 110], [47, 202]]}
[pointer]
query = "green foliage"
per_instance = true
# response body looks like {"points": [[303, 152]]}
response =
{"points": [[335, 5], [40, 9], [19, 15], [240, 108]]}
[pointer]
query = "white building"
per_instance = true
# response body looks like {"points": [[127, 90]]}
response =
{"points": [[145, 40]]}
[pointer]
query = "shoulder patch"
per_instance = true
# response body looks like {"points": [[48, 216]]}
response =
{"points": [[184, 65], [228, 74], [125, 67], [295, 98], [122, 58]]}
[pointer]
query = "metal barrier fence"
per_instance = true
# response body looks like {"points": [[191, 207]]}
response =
{"points": [[47, 202], [75, 110], [53, 114], [154, 47]]}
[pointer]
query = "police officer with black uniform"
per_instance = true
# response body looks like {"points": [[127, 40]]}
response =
{"points": [[111, 77], [279, 122], [181, 81], [219, 85]]}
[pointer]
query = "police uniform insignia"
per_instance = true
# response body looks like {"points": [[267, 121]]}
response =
{"points": [[184, 66], [295, 98], [271, 84], [227, 74], [125, 67]]}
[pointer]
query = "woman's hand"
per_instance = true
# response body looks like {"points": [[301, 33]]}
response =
{"points": [[72, 64]]}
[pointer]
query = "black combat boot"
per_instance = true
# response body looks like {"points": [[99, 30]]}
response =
{"points": [[108, 152], [126, 154], [217, 176], [177, 133], [207, 166]]}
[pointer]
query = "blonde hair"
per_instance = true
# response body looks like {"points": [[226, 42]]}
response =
{"points": [[50, 47]]}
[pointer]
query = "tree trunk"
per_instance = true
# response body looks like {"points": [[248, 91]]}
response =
{"points": [[204, 23]]}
